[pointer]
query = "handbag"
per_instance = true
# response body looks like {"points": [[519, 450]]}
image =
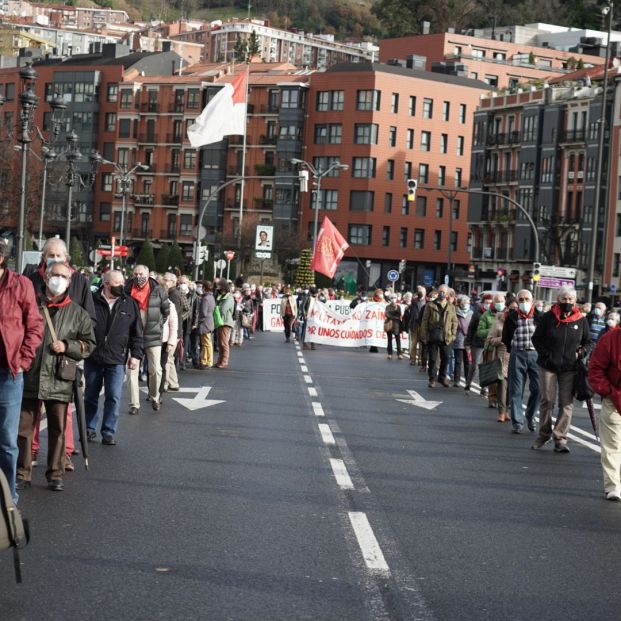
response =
{"points": [[388, 325], [245, 320], [490, 372], [218, 322], [66, 368]]}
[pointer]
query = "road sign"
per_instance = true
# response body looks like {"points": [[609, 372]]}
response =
{"points": [[393, 275], [261, 254], [230, 255], [220, 264], [557, 272], [119, 251], [613, 288], [549, 282]]}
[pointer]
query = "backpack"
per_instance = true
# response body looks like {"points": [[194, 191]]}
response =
{"points": [[14, 531]]}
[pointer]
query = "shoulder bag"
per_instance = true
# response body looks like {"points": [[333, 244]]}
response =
{"points": [[66, 368]]}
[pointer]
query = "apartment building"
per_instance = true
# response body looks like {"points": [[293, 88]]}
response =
{"points": [[501, 63]]}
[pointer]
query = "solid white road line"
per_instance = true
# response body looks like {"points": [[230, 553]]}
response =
{"points": [[318, 409], [371, 551], [326, 434], [304, 368], [341, 475], [312, 391], [308, 379]]}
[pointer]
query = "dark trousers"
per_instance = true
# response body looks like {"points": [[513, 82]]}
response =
{"points": [[433, 349], [288, 320], [389, 337], [461, 362], [56, 412]]}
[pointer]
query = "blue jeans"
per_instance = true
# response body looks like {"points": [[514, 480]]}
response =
{"points": [[523, 364], [11, 391], [111, 377]]}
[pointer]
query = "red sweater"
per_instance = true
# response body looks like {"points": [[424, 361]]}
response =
{"points": [[605, 367]]}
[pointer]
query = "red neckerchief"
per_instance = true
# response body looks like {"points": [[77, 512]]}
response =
{"points": [[530, 313], [64, 302], [575, 315]]}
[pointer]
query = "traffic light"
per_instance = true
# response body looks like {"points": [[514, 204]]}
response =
{"points": [[536, 271], [412, 185], [402, 265], [202, 254], [303, 175]]}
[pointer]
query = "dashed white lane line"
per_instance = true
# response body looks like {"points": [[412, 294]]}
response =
{"points": [[304, 368], [369, 546], [341, 475], [312, 391], [318, 409], [326, 434], [308, 379]]}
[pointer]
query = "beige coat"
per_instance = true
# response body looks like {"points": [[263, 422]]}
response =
{"points": [[495, 344]]}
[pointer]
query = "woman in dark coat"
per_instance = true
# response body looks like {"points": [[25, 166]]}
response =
{"points": [[392, 315]]}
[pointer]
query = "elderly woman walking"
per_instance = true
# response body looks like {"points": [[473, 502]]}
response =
{"points": [[498, 350], [560, 335], [392, 326]]}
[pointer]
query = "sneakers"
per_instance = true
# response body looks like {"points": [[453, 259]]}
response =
{"points": [[134, 411], [560, 447], [91, 436], [614, 496], [21, 484], [540, 443]]}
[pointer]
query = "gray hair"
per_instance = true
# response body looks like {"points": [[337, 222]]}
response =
{"points": [[614, 315], [145, 267], [170, 276], [463, 298], [48, 271], [567, 290], [55, 241], [5, 249]]}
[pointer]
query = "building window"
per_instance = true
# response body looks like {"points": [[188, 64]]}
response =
{"points": [[365, 133], [104, 212], [127, 98], [390, 170], [123, 157], [194, 98], [462, 113], [330, 199], [423, 173], [328, 134], [427, 108], [443, 143], [492, 80], [364, 168], [446, 110], [419, 239], [171, 229], [185, 225], [460, 145], [359, 234], [456, 209], [388, 202], [330, 100], [112, 92], [437, 240], [323, 163], [111, 121], [144, 224], [407, 170], [425, 141], [403, 237], [360, 200], [386, 236], [405, 205], [106, 182], [421, 206], [409, 141], [394, 103], [442, 175], [189, 159], [368, 100], [453, 241], [412, 106], [125, 128], [187, 190], [392, 137], [458, 177], [439, 207], [290, 98]]}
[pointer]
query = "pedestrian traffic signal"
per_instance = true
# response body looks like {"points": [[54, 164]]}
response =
{"points": [[536, 271], [303, 174], [412, 185]]}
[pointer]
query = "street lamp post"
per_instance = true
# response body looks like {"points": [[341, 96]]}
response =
{"points": [[48, 157], [607, 10], [72, 155], [28, 102], [317, 177]]}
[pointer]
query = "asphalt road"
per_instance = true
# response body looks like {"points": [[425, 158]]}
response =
{"points": [[311, 492]]}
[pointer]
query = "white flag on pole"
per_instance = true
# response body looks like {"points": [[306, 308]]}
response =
{"points": [[224, 115]]}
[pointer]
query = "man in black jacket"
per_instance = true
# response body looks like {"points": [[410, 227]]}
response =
{"points": [[118, 333]]}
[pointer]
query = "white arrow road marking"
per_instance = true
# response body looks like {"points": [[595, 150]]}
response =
{"points": [[419, 401], [199, 400]]}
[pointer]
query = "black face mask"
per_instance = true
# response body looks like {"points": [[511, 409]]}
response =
{"points": [[117, 291], [566, 307]]}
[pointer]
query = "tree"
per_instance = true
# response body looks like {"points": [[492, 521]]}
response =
{"points": [[76, 252], [305, 276], [254, 47], [146, 256], [175, 257], [161, 262]]}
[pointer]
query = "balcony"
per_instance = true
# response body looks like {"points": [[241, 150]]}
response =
{"points": [[148, 138], [168, 199], [144, 199], [174, 138], [168, 234], [269, 109], [235, 171], [477, 252], [263, 139], [231, 205], [265, 170], [262, 203], [177, 108], [172, 169], [572, 136], [149, 106], [501, 176]]}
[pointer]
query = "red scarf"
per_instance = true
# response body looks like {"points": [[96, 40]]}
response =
{"points": [[531, 312], [64, 302], [574, 316], [141, 295]]}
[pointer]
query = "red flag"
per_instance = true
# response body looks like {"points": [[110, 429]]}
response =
{"points": [[329, 249]]}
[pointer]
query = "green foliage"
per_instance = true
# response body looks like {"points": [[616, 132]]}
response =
{"points": [[175, 257], [162, 260], [305, 275], [146, 255], [76, 252]]}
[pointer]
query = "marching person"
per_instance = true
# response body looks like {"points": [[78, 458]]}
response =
{"points": [[561, 333], [206, 327], [462, 362], [392, 326], [118, 333], [225, 305], [170, 379], [475, 343], [21, 333], [154, 310], [170, 340], [68, 332], [497, 350], [597, 321], [438, 330], [288, 312], [517, 334], [605, 379]]}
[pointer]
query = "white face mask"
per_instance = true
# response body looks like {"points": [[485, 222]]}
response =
{"points": [[183, 288], [57, 285], [598, 312], [612, 323], [525, 307]]}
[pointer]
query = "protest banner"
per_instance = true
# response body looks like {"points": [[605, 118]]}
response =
{"points": [[272, 321]]}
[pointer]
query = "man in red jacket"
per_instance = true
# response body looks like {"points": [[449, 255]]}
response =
{"points": [[21, 333], [605, 380]]}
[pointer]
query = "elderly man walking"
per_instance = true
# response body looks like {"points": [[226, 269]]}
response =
{"points": [[154, 309], [21, 333], [118, 333], [517, 334]]}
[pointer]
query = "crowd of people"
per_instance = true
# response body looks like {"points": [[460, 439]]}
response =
{"points": [[59, 324]]}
